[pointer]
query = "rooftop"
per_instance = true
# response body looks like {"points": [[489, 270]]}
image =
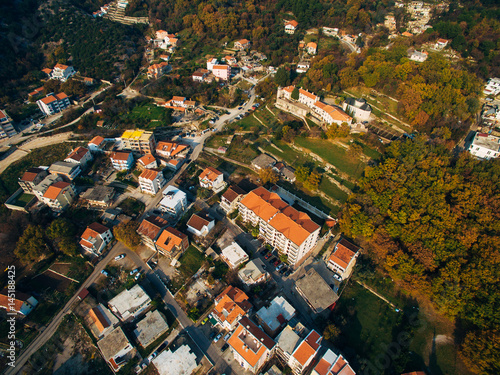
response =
{"points": [[149, 174], [231, 304], [151, 226], [172, 196], [99, 193], [180, 362], [263, 161], [210, 173], [343, 253], [55, 189], [120, 156], [138, 135], [30, 174], [253, 270], [150, 328], [147, 159], [487, 141], [234, 254], [129, 300], [114, 342], [315, 289], [199, 220], [96, 141], [78, 153], [170, 238], [63, 167], [232, 193], [277, 313]]}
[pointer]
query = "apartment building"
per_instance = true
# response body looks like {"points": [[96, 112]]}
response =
{"points": [[151, 181], [122, 161], [222, 72], [230, 306], [343, 258], [305, 352], [31, 178], [485, 146], [174, 201], [492, 87], [95, 238], [59, 196], [290, 231], [53, 103], [68, 171], [138, 141], [6, 126], [62, 72]]}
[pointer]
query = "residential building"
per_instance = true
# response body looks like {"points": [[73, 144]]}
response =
{"points": [[116, 349], [305, 352], [263, 161], [211, 63], [242, 44], [231, 60], [251, 347], [330, 31], [490, 115], [59, 196], [180, 362], [138, 141], [98, 197], [287, 341], [441, 43], [212, 179], [273, 317], [149, 328], [312, 48], [485, 146], [95, 238], [303, 66], [290, 231], [130, 303], [390, 22], [103, 321], [200, 224], [157, 70], [305, 97], [68, 171], [233, 255], [358, 108], [20, 303], [343, 258], [53, 103], [222, 72], [40, 188], [151, 181], [148, 161], [171, 149], [167, 41], [62, 72], [316, 291], [200, 75], [122, 161], [171, 242], [230, 306], [88, 81], [6, 127], [96, 144], [230, 199], [31, 178], [492, 87], [150, 230], [331, 114], [80, 156], [174, 201], [174, 164], [418, 56], [287, 173], [334, 364], [36, 92], [291, 26], [253, 273]]}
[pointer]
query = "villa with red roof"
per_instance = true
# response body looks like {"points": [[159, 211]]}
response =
{"points": [[31, 178], [333, 364], [96, 144], [291, 27], [95, 238], [122, 161], [59, 196], [211, 179], [312, 48], [242, 44], [150, 230], [151, 181], [171, 242], [148, 161], [62, 72], [343, 258], [20, 303], [230, 306], [53, 103], [305, 352], [79, 155], [157, 70]]}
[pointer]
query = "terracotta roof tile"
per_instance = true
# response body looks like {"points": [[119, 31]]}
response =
{"points": [[149, 174], [231, 304], [55, 189], [122, 156], [232, 193], [197, 221], [96, 140], [210, 173], [78, 153], [151, 226], [169, 239]]}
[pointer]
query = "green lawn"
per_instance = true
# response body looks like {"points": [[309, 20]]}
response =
{"points": [[24, 199], [190, 261], [288, 154], [149, 114], [332, 190], [248, 123]]}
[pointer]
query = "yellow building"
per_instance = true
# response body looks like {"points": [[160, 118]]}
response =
{"points": [[139, 141]]}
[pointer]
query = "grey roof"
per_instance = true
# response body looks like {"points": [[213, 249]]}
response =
{"points": [[287, 340], [99, 193], [252, 270], [358, 103], [63, 167], [263, 161], [113, 343], [315, 289], [150, 328], [288, 172]]}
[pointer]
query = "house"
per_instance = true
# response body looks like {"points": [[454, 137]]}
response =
{"points": [[31, 178], [150, 230], [68, 171], [200, 224], [47, 71], [441, 43], [253, 273], [40, 189], [418, 56], [230, 306], [62, 72], [287, 341], [222, 72], [200, 75], [330, 31], [315, 291], [312, 48], [116, 349], [88, 81], [165, 57], [250, 346], [231, 60], [305, 352], [79, 155], [390, 22], [95, 238], [359, 108], [151, 181], [273, 317], [174, 201], [96, 144], [138, 141], [179, 362], [331, 114], [211, 179], [169, 149], [407, 34], [242, 44], [18, 302], [174, 164], [287, 173], [36, 92], [290, 231], [231, 197], [157, 70], [103, 321], [171, 242], [263, 161], [130, 303], [334, 364], [53, 103], [148, 161], [233, 255], [343, 258], [122, 161], [99, 196], [59, 196], [211, 63], [492, 87], [291, 26], [6, 126], [149, 328], [303, 66], [485, 146]]}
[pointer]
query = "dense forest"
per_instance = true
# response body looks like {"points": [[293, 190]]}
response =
{"points": [[432, 223]]}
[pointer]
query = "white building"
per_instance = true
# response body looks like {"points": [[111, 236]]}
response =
{"points": [[222, 72], [493, 87], [359, 108], [200, 224], [333, 364], [130, 303], [122, 161], [103, 321], [151, 181], [418, 56], [6, 127], [276, 315], [62, 72], [234, 255], [96, 144], [330, 31], [147, 161], [485, 146], [291, 26], [53, 103], [79, 155], [180, 362], [343, 258], [441, 43], [116, 349], [59, 196], [95, 238], [212, 179], [253, 273], [174, 201], [149, 328], [211, 63], [302, 67]]}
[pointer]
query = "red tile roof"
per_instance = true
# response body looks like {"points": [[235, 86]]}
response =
{"points": [[151, 226], [122, 156], [231, 304], [232, 193], [169, 239], [99, 228], [344, 252], [96, 140], [147, 159], [308, 348], [55, 189], [61, 66], [18, 301], [292, 23], [210, 173], [78, 153], [149, 174], [198, 222]]}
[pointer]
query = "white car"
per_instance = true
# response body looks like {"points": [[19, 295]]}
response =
{"points": [[152, 356], [217, 338], [121, 256], [337, 277]]}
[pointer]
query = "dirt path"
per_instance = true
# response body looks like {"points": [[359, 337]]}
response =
{"points": [[375, 293], [258, 119]]}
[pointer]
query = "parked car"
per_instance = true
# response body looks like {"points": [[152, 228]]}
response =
{"points": [[288, 273], [280, 266], [224, 347], [227, 336], [137, 276], [162, 346], [134, 271], [204, 321], [283, 270], [105, 273], [121, 256], [217, 338], [272, 260], [212, 335], [337, 277], [263, 252], [276, 263], [152, 356], [267, 256]]}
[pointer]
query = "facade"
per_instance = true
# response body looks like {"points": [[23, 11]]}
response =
{"points": [[122, 161], [22, 303], [315, 291], [343, 258], [116, 349], [222, 72], [53, 103], [441, 43], [174, 201], [59, 196], [230, 306], [138, 141], [31, 178], [157, 70], [331, 114], [291, 26], [334, 364], [359, 108], [40, 188], [151, 181], [200, 224], [250, 346], [148, 161], [130, 303], [242, 44], [233, 255], [68, 171], [95, 238], [150, 230], [62, 72], [303, 66], [276, 315], [305, 352], [492, 87], [149, 328], [96, 144], [211, 179], [171, 242], [485, 146], [418, 56], [253, 273], [99, 197], [230, 199], [290, 231], [79, 155], [6, 127], [312, 48]]}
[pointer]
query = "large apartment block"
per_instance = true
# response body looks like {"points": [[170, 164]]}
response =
{"points": [[6, 127], [53, 103], [139, 141], [290, 231]]}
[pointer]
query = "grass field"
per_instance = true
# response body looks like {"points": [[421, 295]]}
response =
{"points": [[190, 261], [148, 113], [248, 123], [332, 190]]}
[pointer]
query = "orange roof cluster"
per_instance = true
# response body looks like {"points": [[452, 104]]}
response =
{"points": [[292, 23], [19, 299], [78, 153], [149, 174], [55, 189], [308, 348], [147, 159], [158, 66], [96, 140], [293, 224], [344, 252], [120, 156], [169, 239], [151, 226], [52, 98], [231, 304], [171, 147], [210, 173]]}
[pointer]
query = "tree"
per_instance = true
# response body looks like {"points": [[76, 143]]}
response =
{"points": [[313, 181], [302, 173], [354, 150], [331, 332], [295, 93], [127, 233], [60, 228], [268, 175], [68, 246], [284, 258], [282, 77], [31, 245]]}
